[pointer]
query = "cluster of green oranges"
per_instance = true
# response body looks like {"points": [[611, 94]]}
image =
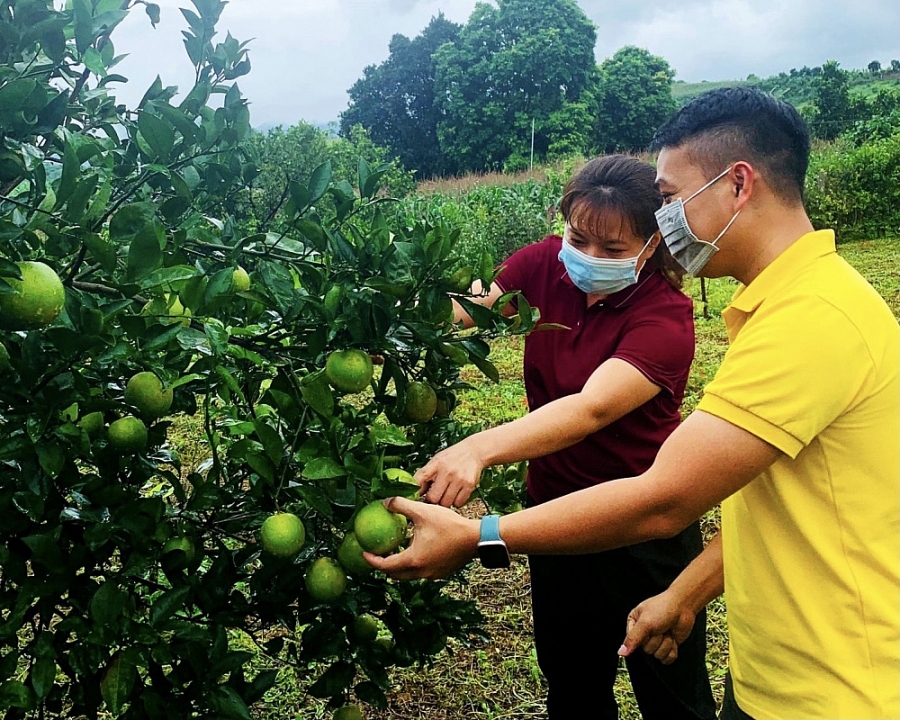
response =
{"points": [[351, 371]]}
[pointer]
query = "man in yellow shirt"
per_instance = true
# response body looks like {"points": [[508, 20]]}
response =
{"points": [[799, 430]]}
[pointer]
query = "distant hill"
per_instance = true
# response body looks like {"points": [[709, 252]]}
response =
{"points": [[796, 87]]}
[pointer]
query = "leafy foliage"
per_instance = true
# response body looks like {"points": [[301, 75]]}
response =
{"points": [[125, 574]]}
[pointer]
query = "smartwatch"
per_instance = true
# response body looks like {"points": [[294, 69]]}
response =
{"points": [[492, 550]]}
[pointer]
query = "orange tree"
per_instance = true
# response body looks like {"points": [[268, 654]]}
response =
{"points": [[125, 577]]}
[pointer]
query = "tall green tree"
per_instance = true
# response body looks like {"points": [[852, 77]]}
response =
{"points": [[394, 101], [514, 63], [634, 97], [834, 109]]}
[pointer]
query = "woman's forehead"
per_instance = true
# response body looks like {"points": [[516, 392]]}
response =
{"points": [[600, 223]]}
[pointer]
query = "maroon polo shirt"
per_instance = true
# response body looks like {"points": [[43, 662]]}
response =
{"points": [[649, 325]]}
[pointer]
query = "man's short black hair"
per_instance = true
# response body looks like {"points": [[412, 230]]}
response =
{"points": [[723, 126]]}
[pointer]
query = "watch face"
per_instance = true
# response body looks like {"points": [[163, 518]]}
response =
{"points": [[493, 554]]}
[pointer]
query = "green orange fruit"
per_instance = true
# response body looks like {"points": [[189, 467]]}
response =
{"points": [[91, 423], [145, 392], [240, 280], [421, 402], [128, 434], [282, 534], [37, 298], [348, 712], [349, 370], [365, 628], [325, 580], [377, 529], [350, 555]]}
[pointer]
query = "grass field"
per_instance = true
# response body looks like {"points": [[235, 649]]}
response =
{"points": [[499, 678]]}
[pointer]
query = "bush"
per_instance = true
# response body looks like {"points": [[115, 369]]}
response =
{"points": [[856, 190]]}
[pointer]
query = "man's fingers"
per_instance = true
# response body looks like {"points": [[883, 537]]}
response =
{"points": [[651, 644], [396, 566], [635, 634], [409, 508], [665, 648]]}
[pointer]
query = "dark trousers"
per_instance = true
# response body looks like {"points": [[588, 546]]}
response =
{"points": [[580, 605], [730, 709]]}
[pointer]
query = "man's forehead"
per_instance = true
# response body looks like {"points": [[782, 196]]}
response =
{"points": [[674, 167]]}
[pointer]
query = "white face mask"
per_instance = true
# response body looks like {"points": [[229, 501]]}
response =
{"points": [[599, 276], [689, 251]]}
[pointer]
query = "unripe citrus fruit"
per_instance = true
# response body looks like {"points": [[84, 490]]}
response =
{"points": [[400, 476], [325, 580], [38, 298], [282, 534], [349, 370], [145, 391], [350, 555], [240, 280], [421, 402], [385, 642], [348, 712], [128, 434], [377, 529], [364, 628], [185, 545], [92, 422]]}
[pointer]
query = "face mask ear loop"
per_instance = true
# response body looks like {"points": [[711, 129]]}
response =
{"points": [[646, 245], [725, 229], [714, 180]]}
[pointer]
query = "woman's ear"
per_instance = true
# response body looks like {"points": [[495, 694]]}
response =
{"points": [[655, 240]]}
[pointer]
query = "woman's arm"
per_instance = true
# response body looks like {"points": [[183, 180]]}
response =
{"points": [[614, 389]]}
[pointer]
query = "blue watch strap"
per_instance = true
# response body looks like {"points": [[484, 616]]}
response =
{"points": [[490, 528]]}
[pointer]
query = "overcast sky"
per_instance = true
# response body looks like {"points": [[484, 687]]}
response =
{"points": [[307, 53]]}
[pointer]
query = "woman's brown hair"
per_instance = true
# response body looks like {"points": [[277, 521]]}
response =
{"points": [[625, 186]]}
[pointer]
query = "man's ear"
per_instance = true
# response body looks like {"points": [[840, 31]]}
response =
{"points": [[744, 177]]}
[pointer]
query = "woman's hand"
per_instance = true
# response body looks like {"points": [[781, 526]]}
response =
{"points": [[450, 476]]}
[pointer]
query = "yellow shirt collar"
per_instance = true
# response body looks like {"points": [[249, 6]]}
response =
{"points": [[783, 268]]}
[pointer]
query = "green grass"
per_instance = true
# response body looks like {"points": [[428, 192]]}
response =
{"points": [[499, 678]]}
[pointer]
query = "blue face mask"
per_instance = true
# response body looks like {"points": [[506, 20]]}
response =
{"points": [[599, 276]]}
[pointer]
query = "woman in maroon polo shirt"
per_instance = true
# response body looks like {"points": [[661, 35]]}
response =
{"points": [[602, 395]]}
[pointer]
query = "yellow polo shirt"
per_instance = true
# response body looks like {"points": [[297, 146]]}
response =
{"points": [[812, 546]]}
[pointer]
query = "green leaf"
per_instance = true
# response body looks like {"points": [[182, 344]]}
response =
{"points": [[334, 680], [129, 220], [169, 275], [16, 694], [157, 132], [389, 435], [167, 604], [101, 250], [43, 676], [145, 254], [271, 441], [319, 181], [108, 604], [322, 468], [83, 21], [487, 367], [317, 393], [227, 702], [69, 177], [117, 682], [153, 13]]}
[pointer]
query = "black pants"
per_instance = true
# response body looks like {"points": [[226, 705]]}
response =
{"points": [[730, 709], [580, 605]]}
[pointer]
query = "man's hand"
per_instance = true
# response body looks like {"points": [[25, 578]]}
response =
{"points": [[658, 626], [450, 476], [443, 541]]}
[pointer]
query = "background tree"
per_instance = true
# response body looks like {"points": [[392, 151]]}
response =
{"points": [[634, 97], [395, 100], [874, 67], [520, 61], [833, 108]]}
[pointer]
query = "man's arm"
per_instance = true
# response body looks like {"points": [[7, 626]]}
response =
{"points": [[613, 390], [661, 623], [704, 461]]}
